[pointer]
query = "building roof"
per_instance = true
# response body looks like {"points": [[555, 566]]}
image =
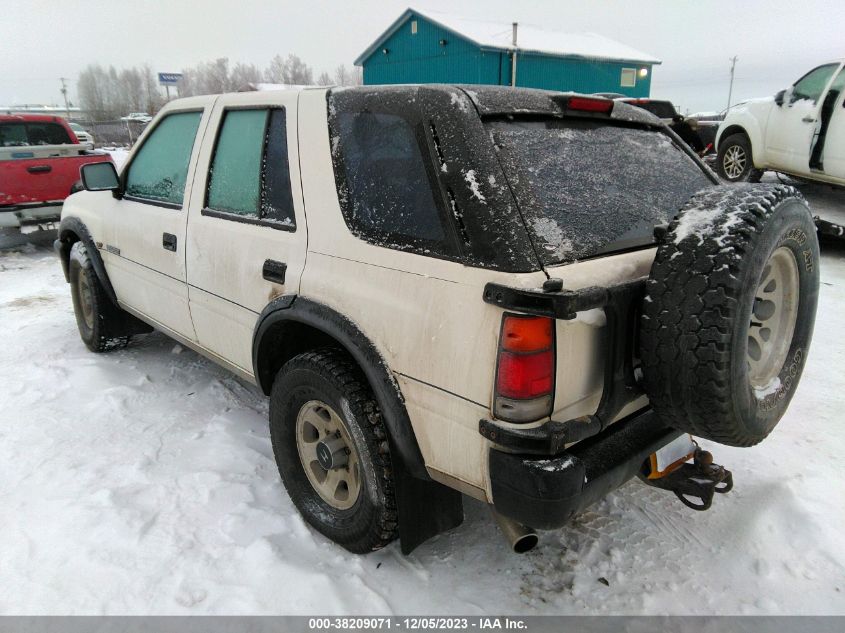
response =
{"points": [[260, 86], [38, 109], [530, 38]]}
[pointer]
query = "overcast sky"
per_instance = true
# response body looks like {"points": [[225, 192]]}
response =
{"points": [[776, 40]]}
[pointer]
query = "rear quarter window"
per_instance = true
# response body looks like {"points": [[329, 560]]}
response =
{"points": [[386, 194]]}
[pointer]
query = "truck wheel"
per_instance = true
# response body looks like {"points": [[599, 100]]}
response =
{"points": [[332, 450], [99, 321], [729, 311], [734, 160]]}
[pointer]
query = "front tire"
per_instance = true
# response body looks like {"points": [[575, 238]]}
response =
{"points": [[100, 322], [332, 450], [734, 162]]}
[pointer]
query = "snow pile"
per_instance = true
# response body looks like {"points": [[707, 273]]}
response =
{"points": [[469, 176], [699, 221], [535, 38], [459, 99], [118, 155], [552, 236], [143, 481]]}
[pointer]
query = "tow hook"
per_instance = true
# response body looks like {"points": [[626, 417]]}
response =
{"points": [[698, 480]]}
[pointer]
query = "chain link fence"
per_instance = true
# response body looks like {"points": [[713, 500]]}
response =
{"points": [[114, 133]]}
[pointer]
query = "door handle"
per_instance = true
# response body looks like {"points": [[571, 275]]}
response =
{"points": [[168, 241], [274, 271], [39, 169], [808, 119]]}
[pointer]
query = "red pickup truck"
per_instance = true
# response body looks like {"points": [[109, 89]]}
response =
{"points": [[40, 158]]}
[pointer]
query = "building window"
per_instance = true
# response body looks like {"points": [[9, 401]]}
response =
{"points": [[413, 27], [629, 78]]}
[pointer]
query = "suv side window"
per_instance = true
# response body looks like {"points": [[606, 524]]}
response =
{"points": [[160, 168], [386, 195], [249, 175], [811, 85]]}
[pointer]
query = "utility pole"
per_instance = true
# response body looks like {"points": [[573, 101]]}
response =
{"points": [[513, 57], [731, 87], [64, 94]]}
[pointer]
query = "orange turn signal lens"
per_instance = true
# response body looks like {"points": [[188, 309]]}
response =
{"points": [[527, 334]]}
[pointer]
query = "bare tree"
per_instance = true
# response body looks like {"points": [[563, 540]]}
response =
{"points": [[291, 71], [89, 87], [214, 76], [152, 94], [299, 73], [341, 76], [131, 86], [111, 93], [187, 85], [276, 70], [243, 74]]}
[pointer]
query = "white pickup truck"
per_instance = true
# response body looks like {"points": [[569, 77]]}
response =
{"points": [[800, 131]]}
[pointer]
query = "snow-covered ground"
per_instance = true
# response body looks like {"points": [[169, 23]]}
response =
{"points": [[118, 155], [143, 482]]}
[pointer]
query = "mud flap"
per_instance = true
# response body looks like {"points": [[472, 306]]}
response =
{"points": [[426, 508], [829, 230], [699, 480]]}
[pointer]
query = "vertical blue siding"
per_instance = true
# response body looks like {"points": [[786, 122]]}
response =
{"points": [[420, 58], [578, 75]]}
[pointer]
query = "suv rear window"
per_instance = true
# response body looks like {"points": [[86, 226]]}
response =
{"points": [[587, 187], [22, 134]]}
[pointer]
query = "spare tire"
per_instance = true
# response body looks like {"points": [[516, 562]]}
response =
{"points": [[729, 311]]}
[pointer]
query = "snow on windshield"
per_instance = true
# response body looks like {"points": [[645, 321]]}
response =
{"points": [[584, 186]]}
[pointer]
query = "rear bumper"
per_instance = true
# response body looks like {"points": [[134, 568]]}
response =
{"points": [[545, 493]]}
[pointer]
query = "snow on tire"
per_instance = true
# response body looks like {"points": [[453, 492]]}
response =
{"points": [[729, 311]]}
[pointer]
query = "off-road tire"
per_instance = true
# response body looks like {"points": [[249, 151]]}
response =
{"points": [[699, 302], [749, 173], [107, 330], [330, 376]]}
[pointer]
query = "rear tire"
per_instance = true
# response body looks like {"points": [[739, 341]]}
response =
{"points": [[729, 311], [734, 161], [101, 323], [322, 398]]}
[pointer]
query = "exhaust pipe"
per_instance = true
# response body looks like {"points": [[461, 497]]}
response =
{"points": [[521, 538]]}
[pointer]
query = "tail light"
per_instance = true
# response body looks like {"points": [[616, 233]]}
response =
{"points": [[525, 370]]}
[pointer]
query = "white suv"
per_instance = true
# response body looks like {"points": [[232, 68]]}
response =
{"points": [[451, 291], [800, 131]]}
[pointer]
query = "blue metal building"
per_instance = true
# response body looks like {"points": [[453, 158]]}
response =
{"points": [[433, 47]]}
